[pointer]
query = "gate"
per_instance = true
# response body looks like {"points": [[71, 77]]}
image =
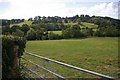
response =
{"points": [[49, 68]]}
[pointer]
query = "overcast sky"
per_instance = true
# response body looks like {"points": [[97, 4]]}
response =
{"points": [[10, 9]]}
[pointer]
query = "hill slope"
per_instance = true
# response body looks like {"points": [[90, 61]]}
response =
{"points": [[25, 22]]}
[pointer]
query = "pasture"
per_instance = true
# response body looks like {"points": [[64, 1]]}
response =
{"points": [[84, 25], [29, 23], [56, 32], [95, 54]]}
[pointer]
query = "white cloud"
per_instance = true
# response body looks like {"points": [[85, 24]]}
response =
{"points": [[104, 9], [30, 8]]}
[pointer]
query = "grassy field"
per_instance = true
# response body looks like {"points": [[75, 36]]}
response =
{"points": [[89, 25], [25, 22], [84, 25], [56, 32], [96, 54]]}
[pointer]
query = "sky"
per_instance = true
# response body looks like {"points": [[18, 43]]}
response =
{"points": [[14, 9]]}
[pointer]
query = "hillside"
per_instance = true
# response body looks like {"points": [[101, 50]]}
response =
{"points": [[83, 24], [25, 22], [72, 27]]}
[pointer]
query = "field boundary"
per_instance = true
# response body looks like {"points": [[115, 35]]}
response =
{"points": [[60, 63]]}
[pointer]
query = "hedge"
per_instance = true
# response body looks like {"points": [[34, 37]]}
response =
{"points": [[12, 50]]}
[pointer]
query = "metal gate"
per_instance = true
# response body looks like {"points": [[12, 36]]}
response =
{"points": [[49, 68]]}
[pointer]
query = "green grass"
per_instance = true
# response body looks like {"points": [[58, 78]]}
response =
{"points": [[96, 54], [89, 25], [71, 23], [56, 32], [84, 25], [25, 22]]}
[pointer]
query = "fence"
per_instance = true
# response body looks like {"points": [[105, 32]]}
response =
{"points": [[48, 66]]}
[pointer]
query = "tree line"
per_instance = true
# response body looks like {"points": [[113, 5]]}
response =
{"points": [[107, 27]]}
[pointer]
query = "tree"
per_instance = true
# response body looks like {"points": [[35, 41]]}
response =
{"points": [[5, 22], [31, 34], [39, 34], [30, 19], [108, 31], [25, 28], [72, 32], [14, 28], [52, 36], [87, 32], [18, 33], [60, 21], [65, 33]]}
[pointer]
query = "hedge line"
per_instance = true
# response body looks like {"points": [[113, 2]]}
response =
{"points": [[12, 50]]}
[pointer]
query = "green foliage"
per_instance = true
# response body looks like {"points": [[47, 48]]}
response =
{"points": [[25, 28], [41, 34], [31, 34], [37, 33], [108, 31], [100, 26], [14, 28], [9, 40], [87, 32], [72, 32], [18, 33], [10, 53]]}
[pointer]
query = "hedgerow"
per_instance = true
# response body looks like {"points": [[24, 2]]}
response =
{"points": [[12, 50]]}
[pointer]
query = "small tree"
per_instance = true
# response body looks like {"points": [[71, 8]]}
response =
{"points": [[87, 32], [72, 32], [31, 34], [18, 33], [14, 27], [25, 28]]}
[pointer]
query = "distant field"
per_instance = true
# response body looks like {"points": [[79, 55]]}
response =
{"points": [[56, 32], [84, 25], [96, 54], [71, 23], [25, 22], [89, 25]]}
